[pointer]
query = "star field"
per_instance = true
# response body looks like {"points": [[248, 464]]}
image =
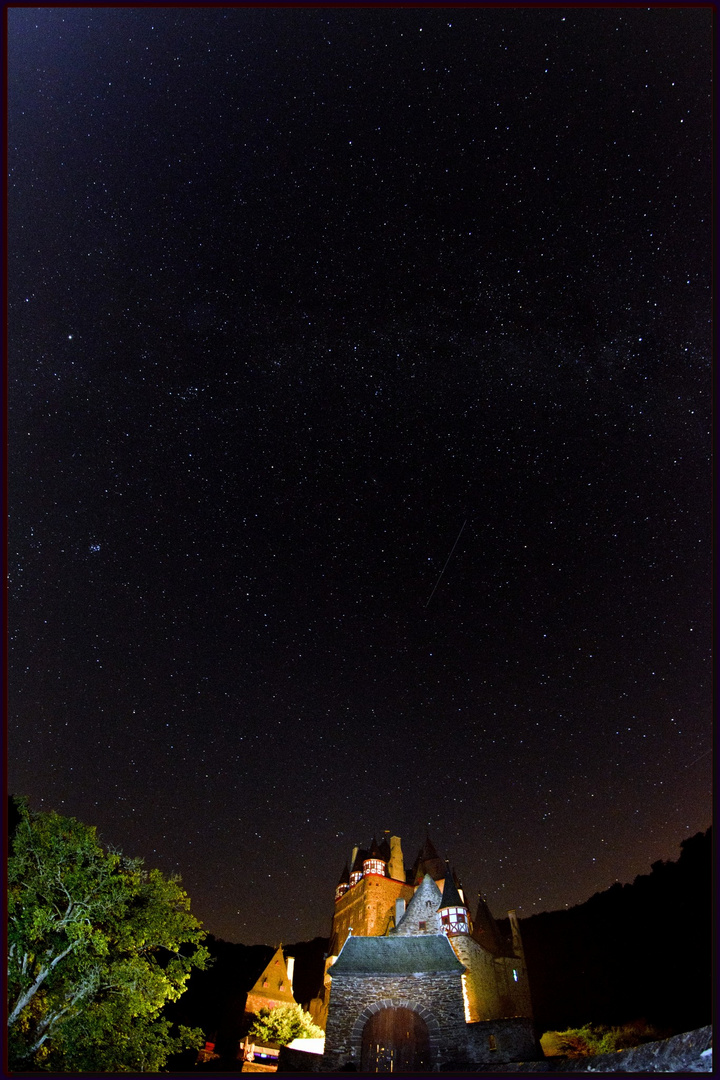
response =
{"points": [[294, 294]]}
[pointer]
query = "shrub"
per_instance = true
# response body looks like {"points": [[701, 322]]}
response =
{"points": [[283, 1024], [591, 1039]]}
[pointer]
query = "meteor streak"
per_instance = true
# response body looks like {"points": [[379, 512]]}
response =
{"points": [[447, 561]]}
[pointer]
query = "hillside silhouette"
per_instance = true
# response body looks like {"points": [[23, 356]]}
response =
{"points": [[642, 950]]}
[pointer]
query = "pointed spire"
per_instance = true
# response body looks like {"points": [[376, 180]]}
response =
{"points": [[450, 896], [427, 862], [345, 875], [373, 863], [428, 850]]}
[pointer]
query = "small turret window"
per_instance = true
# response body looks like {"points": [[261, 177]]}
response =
{"points": [[516, 976], [374, 866], [355, 877], [454, 920]]}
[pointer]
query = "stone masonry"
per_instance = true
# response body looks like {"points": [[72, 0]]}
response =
{"points": [[434, 996]]}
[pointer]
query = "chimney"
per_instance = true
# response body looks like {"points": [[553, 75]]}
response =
{"points": [[396, 866], [290, 964], [399, 909]]}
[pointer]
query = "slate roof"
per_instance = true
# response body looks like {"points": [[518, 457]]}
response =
{"points": [[427, 862], [423, 906], [396, 956], [450, 896], [487, 932], [362, 855]]}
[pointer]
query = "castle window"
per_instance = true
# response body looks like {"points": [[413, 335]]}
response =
{"points": [[454, 920], [265, 982], [515, 974], [422, 925], [374, 866], [492, 1045], [281, 986], [355, 877]]}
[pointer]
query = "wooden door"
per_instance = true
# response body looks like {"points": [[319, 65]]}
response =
{"points": [[395, 1040]]}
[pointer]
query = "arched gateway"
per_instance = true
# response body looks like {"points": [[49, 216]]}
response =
{"points": [[395, 1039], [396, 1005]]}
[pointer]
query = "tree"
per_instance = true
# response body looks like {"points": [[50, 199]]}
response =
{"points": [[283, 1024], [97, 945]]}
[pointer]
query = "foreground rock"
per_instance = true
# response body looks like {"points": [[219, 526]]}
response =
{"points": [[687, 1053]]}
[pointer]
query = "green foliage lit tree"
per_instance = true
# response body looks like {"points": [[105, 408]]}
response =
{"points": [[96, 946], [283, 1024]]}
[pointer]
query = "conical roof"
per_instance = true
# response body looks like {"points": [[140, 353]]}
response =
{"points": [[450, 895], [384, 849], [487, 932], [360, 858], [427, 862], [428, 850], [421, 915], [344, 876]]}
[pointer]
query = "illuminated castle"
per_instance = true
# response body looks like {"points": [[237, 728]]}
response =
{"points": [[412, 981]]}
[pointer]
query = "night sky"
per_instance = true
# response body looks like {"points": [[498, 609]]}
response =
{"points": [[302, 301]]}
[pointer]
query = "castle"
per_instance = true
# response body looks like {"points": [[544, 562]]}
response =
{"points": [[412, 982]]}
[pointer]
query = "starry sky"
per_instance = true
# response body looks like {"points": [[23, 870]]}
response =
{"points": [[359, 452]]}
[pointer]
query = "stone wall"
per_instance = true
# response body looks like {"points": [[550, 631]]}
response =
{"points": [[490, 987], [480, 979], [510, 1039], [367, 907], [435, 996]]}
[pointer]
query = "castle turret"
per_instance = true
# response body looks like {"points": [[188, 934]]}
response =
{"points": [[344, 883], [454, 915], [373, 863], [356, 867]]}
